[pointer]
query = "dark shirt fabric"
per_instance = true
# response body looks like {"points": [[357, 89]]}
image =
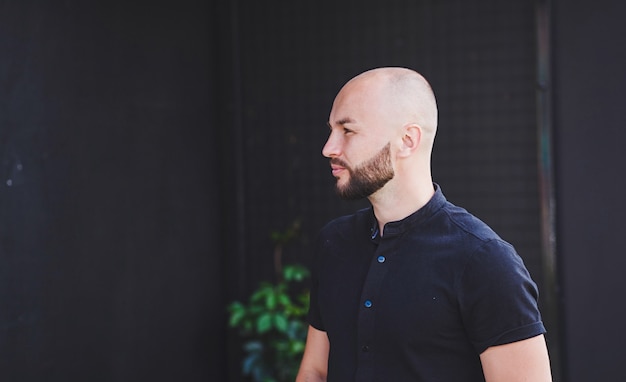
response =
{"points": [[421, 302]]}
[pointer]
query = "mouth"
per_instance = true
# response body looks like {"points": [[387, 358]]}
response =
{"points": [[337, 170]]}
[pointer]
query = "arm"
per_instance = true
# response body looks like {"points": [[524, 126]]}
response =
{"points": [[522, 361], [314, 366]]}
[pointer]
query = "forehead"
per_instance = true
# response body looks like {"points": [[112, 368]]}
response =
{"points": [[358, 102]]}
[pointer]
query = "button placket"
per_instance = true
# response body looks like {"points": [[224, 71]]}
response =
{"points": [[370, 294]]}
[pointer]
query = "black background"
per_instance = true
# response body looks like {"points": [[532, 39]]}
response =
{"points": [[149, 150]]}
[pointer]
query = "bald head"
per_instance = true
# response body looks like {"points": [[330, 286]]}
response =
{"points": [[382, 129], [403, 94]]}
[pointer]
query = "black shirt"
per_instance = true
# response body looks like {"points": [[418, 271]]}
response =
{"points": [[423, 301]]}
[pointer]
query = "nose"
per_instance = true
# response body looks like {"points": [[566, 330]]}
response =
{"points": [[332, 148]]}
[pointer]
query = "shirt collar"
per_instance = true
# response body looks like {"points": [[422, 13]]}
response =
{"points": [[418, 217]]}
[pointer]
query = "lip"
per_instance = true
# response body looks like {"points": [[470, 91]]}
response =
{"points": [[336, 170]]}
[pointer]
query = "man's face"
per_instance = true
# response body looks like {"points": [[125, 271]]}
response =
{"points": [[367, 177], [359, 127]]}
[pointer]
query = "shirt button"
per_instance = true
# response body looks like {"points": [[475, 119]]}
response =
{"points": [[365, 348], [381, 259], [367, 304]]}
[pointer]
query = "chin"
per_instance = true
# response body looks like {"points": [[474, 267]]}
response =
{"points": [[342, 185]]}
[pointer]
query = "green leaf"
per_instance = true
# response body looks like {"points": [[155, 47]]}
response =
{"points": [[264, 323], [236, 317], [255, 310], [234, 306], [304, 299], [270, 301], [237, 313], [262, 292], [284, 300], [295, 273], [273, 319], [297, 347], [280, 322]]}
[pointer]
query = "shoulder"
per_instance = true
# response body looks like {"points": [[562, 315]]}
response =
{"points": [[468, 242], [486, 250], [454, 231], [466, 223]]}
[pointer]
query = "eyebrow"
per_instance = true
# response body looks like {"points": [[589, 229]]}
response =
{"points": [[342, 122]]}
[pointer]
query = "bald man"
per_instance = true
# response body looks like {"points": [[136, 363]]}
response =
{"points": [[413, 288]]}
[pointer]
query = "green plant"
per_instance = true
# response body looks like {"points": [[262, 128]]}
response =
{"points": [[272, 322]]}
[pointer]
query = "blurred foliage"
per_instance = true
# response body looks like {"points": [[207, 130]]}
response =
{"points": [[273, 321]]}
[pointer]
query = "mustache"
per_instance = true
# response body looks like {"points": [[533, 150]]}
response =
{"points": [[338, 162]]}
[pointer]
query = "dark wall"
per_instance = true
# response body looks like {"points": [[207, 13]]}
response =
{"points": [[589, 87], [287, 60], [480, 58], [149, 151], [107, 194]]}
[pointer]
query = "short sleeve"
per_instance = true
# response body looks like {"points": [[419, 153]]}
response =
{"points": [[498, 298]]}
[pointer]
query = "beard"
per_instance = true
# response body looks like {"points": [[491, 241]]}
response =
{"points": [[368, 177]]}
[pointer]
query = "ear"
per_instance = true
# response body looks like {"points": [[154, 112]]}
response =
{"points": [[411, 139]]}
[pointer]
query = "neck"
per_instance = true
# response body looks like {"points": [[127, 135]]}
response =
{"points": [[395, 202]]}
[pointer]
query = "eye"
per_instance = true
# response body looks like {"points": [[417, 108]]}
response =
{"points": [[347, 131]]}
